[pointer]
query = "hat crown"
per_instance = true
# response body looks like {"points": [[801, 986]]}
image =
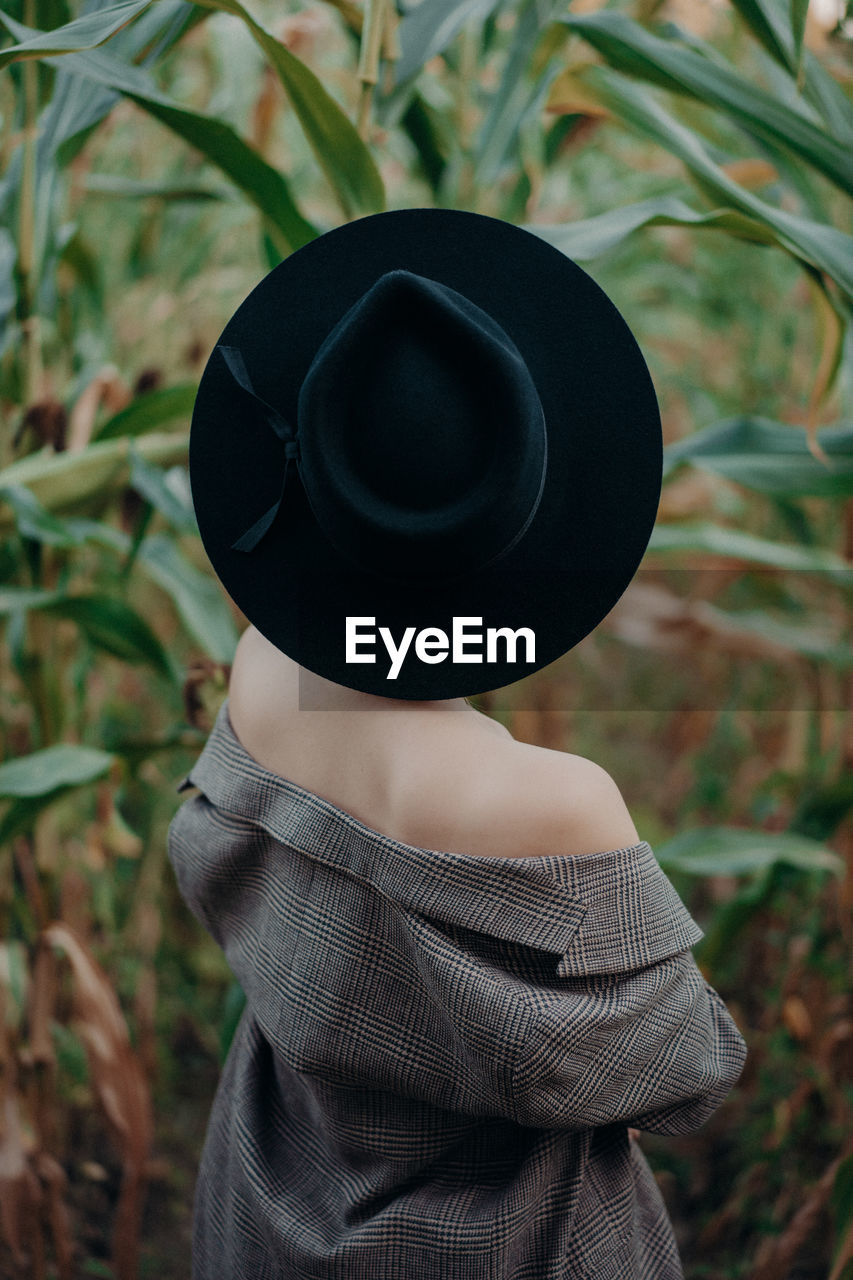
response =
{"points": [[416, 430], [423, 437]]}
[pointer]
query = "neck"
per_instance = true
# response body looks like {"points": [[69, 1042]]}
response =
{"points": [[316, 693], [305, 691]]}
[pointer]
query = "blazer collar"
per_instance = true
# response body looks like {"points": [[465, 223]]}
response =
{"points": [[600, 912]]}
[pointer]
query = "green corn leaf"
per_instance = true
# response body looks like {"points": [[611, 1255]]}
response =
{"points": [[72, 113], [218, 142], [34, 521], [590, 237], [770, 457], [341, 152], [427, 134], [427, 30], [827, 97], [732, 851], [75, 108], [630, 48], [109, 184], [152, 483], [106, 621], [79, 256], [66, 764], [20, 817], [8, 291], [113, 626], [107, 535], [13, 598], [93, 1267], [14, 974], [813, 242], [153, 409], [86, 32], [823, 806], [704, 536], [516, 97], [200, 602], [68, 481], [768, 22], [799, 9]]}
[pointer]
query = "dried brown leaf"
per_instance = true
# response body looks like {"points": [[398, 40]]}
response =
{"points": [[266, 107], [568, 96], [751, 172], [831, 330], [652, 617], [119, 1082], [689, 494], [796, 1018], [20, 1193], [778, 1255], [301, 32], [53, 1178], [48, 421], [107, 389], [116, 1077]]}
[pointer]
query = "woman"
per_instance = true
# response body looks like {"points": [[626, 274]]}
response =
{"points": [[467, 978]]}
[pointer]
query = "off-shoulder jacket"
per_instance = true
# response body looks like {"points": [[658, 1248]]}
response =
{"points": [[440, 1054]]}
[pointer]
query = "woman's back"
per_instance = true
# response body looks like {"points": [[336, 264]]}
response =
{"points": [[439, 1055], [435, 775]]}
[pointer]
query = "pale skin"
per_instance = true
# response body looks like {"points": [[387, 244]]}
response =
{"points": [[436, 775]]}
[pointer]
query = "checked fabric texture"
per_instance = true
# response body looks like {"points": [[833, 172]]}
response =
{"points": [[440, 1054]]}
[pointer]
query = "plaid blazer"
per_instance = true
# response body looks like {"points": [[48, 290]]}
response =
{"points": [[440, 1054]]}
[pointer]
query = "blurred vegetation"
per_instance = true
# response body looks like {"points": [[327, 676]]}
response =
{"points": [[157, 158]]}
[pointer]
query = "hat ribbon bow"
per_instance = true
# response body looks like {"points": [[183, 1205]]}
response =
{"points": [[233, 358]]}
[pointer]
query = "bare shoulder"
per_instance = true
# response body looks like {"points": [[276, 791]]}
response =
{"points": [[463, 784], [558, 802], [261, 677]]}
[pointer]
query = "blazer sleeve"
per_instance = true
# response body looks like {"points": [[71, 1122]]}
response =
{"points": [[629, 1031], [656, 1049]]}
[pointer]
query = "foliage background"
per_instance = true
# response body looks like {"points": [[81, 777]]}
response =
{"points": [[156, 160]]}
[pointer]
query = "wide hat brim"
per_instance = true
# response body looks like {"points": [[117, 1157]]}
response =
{"points": [[602, 485]]}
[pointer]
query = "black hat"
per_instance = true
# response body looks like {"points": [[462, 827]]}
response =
{"points": [[426, 454]]}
